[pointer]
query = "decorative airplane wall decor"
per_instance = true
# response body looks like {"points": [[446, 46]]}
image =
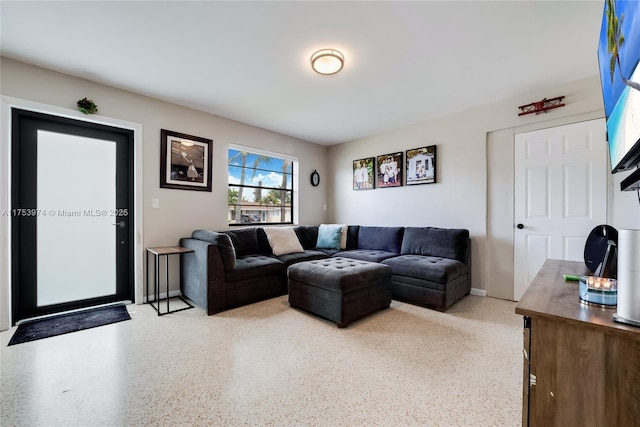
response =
{"points": [[541, 106]]}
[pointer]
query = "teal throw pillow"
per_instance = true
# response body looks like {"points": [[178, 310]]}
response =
{"points": [[329, 236]]}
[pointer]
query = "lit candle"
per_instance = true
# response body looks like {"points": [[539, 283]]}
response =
{"points": [[601, 283]]}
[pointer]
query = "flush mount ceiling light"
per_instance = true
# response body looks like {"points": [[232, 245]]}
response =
{"points": [[327, 61]]}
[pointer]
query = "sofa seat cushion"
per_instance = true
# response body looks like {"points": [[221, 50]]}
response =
{"points": [[371, 255], [307, 255], [435, 269], [329, 252], [254, 266]]}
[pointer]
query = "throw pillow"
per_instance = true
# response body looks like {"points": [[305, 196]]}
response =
{"points": [[329, 236], [283, 240], [343, 236]]}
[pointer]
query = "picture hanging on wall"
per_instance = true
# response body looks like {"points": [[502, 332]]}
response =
{"points": [[363, 174], [185, 161], [421, 165], [389, 170]]}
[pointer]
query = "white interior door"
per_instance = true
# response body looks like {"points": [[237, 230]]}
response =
{"points": [[560, 195]]}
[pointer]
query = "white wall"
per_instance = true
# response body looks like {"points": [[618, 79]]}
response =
{"points": [[456, 200], [474, 174], [180, 211], [625, 212], [475, 166], [176, 216]]}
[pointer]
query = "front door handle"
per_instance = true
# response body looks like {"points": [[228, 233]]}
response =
{"points": [[119, 224], [520, 226]]}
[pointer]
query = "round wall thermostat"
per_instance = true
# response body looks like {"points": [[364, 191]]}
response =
{"points": [[315, 178]]}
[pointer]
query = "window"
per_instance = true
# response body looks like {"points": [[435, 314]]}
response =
{"points": [[260, 187]]}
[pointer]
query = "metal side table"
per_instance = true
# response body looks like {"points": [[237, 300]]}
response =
{"points": [[157, 253]]}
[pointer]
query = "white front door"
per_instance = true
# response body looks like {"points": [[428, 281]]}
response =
{"points": [[560, 195]]}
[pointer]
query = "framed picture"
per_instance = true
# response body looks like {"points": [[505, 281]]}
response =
{"points": [[363, 173], [421, 165], [185, 161], [389, 170]]}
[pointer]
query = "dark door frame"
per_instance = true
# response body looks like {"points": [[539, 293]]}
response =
{"points": [[6, 105]]}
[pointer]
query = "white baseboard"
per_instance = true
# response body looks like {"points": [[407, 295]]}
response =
{"points": [[163, 295], [478, 292], [474, 291]]}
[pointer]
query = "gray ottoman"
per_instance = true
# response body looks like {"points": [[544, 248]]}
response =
{"points": [[340, 289]]}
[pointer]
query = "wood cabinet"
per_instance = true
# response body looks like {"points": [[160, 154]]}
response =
{"points": [[580, 367]]}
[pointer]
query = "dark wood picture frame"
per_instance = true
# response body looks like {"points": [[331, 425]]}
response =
{"points": [[364, 171], [421, 165], [185, 161], [390, 170]]}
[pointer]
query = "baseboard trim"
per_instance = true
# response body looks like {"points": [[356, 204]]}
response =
{"points": [[163, 295], [478, 292]]}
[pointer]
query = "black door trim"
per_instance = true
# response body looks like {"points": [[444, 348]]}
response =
{"points": [[23, 196]]}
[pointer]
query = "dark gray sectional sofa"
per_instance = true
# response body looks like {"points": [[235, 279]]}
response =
{"points": [[430, 266]]}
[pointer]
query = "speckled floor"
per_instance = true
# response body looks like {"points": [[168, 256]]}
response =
{"points": [[269, 364]]}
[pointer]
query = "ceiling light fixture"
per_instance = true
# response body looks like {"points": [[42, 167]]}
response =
{"points": [[327, 61]]}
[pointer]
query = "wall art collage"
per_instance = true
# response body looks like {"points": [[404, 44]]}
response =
{"points": [[413, 167]]}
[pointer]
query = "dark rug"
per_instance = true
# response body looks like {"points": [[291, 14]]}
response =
{"points": [[71, 322]]}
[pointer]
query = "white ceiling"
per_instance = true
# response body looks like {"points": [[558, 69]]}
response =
{"points": [[249, 61]]}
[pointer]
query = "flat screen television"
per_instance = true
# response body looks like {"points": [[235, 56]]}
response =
{"points": [[618, 59]]}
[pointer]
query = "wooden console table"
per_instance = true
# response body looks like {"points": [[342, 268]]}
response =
{"points": [[580, 367]]}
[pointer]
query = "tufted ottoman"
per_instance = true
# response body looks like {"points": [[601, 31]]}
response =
{"points": [[340, 289]]}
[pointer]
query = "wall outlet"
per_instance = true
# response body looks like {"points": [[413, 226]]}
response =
{"points": [[324, 207]]}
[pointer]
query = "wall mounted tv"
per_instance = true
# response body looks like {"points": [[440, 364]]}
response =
{"points": [[619, 58]]}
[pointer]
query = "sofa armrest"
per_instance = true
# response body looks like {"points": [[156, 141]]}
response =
{"points": [[203, 275]]}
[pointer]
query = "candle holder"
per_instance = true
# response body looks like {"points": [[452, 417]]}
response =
{"points": [[598, 291]]}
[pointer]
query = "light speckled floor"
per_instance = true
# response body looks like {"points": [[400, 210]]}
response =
{"points": [[269, 364]]}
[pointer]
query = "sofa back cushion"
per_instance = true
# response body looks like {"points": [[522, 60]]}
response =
{"points": [[245, 241], [439, 242], [307, 234], [225, 247], [380, 238], [352, 236], [263, 242]]}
